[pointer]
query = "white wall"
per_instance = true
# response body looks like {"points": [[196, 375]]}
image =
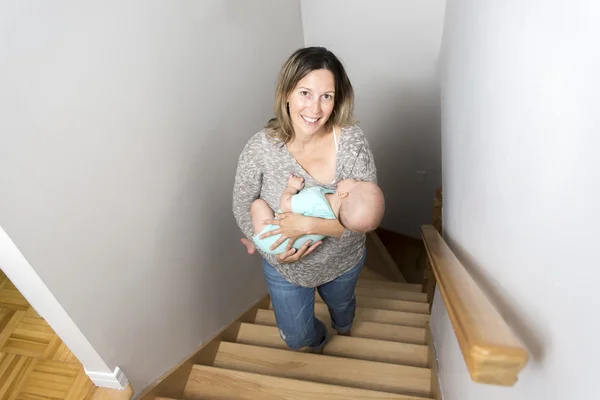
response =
{"points": [[390, 50], [121, 124], [520, 97]]}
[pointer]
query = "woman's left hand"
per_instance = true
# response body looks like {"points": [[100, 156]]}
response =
{"points": [[291, 226]]}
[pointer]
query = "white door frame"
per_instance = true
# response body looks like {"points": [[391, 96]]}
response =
{"points": [[23, 276]]}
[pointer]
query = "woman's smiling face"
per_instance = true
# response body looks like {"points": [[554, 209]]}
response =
{"points": [[311, 102]]}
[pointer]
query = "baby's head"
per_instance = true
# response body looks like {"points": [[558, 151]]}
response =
{"points": [[362, 205]]}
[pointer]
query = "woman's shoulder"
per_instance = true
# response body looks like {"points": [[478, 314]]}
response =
{"points": [[258, 138], [353, 137], [257, 147], [261, 140]]}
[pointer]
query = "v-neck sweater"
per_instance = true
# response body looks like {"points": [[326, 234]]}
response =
{"points": [[262, 172]]}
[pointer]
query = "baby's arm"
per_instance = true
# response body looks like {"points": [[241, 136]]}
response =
{"points": [[295, 184]]}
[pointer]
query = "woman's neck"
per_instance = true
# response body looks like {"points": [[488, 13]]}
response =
{"points": [[302, 141]]}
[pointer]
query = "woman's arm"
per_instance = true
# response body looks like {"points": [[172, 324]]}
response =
{"points": [[292, 226], [303, 225], [325, 227], [246, 189]]}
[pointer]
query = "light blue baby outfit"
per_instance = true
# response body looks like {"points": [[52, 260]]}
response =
{"points": [[310, 202]]}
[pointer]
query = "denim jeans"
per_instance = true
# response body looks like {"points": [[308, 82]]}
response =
{"points": [[294, 306]]}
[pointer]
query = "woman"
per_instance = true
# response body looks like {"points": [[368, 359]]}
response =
{"points": [[311, 136]]}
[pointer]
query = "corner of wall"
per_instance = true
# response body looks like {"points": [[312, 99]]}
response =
{"points": [[302, 22], [30, 285]]}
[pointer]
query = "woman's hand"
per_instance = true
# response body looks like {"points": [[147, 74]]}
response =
{"points": [[291, 226], [293, 255]]}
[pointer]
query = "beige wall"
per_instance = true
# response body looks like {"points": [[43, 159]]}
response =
{"points": [[120, 127], [520, 141], [390, 50]]}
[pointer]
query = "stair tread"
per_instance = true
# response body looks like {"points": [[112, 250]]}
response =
{"points": [[390, 293], [364, 329], [362, 374], [388, 304], [342, 346], [370, 274], [403, 286], [210, 383], [381, 316]]}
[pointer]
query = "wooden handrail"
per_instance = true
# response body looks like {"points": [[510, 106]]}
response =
{"points": [[492, 352]]}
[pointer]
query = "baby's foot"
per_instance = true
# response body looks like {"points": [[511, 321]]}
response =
{"points": [[249, 245], [296, 182]]}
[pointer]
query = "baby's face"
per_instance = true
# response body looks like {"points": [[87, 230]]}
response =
{"points": [[345, 186]]}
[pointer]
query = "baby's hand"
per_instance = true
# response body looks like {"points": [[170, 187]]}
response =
{"points": [[296, 182]]}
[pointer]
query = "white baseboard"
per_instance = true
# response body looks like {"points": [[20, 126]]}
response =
{"points": [[111, 380]]}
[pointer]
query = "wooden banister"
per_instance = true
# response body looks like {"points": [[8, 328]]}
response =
{"points": [[492, 352]]}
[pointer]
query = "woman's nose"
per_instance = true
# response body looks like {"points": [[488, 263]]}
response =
{"points": [[316, 107]]}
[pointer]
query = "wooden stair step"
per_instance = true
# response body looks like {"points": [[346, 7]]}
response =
{"points": [[405, 287], [381, 316], [341, 346], [388, 293], [388, 304], [364, 329], [216, 383], [360, 374], [369, 274]]}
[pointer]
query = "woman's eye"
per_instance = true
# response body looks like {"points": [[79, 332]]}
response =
{"points": [[328, 97], [304, 93]]}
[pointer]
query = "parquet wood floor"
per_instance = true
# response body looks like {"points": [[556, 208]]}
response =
{"points": [[34, 363]]}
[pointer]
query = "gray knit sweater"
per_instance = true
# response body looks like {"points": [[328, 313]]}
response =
{"points": [[263, 170]]}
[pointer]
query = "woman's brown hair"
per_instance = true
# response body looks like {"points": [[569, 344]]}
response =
{"points": [[297, 66]]}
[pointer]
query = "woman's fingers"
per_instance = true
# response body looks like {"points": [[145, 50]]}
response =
{"points": [[270, 233], [302, 251], [312, 248], [279, 241], [290, 243], [293, 255], [284, 257]]}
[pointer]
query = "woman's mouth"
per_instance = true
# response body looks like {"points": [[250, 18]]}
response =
{"points": [[310, 121]]}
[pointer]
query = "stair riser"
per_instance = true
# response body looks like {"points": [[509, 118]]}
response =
{"points": [[406, 287], [342, 346], [387, 304], [320, 368], [214, 383], [386, 293], [364, 329], [380, 316]]}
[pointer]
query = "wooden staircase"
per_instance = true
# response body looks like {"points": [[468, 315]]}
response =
{"points": [[390, 354], [387, 356]]}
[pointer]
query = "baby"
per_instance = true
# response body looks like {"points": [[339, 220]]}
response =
{"points": [[358, 205]]}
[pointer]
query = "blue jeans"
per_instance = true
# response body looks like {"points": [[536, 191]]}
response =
{"points": [[294, 306]]}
